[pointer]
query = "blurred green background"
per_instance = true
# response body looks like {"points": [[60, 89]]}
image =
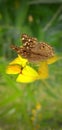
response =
{"points": [[17, 100]]}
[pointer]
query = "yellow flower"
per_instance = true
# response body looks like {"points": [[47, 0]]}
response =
{"points": [[43, 67], [33, 118], [17, 4], [38, 106], [30, 18], [26, 73], [43, 70], [34, 112], [52, 60], [13, 69], [20, 61]]}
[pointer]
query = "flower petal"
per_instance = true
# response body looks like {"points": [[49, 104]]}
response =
{"points": [[19, 60], [13, 69], [25, 79], [28, 75], [43, 70], [29, 71], [52, 60], [23, 61]]}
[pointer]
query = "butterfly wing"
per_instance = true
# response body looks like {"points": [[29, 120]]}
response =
{"points": [[33, 50], [28, 42]]}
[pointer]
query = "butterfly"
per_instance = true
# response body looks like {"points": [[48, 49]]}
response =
{"points": [[33, 50]]}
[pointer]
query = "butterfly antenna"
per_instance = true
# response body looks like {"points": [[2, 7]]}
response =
{"points": [[15, 48]]}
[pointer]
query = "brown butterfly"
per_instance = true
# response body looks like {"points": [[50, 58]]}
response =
{"points": [[33, 50]]}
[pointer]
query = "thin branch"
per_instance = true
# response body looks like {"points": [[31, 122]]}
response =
{"points": [[44, 2], [53, 19], [49, 88], [9, 27]]}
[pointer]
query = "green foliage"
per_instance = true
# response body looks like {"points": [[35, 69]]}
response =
{"points": [[43, 21]]}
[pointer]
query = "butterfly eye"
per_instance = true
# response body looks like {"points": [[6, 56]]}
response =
{"points": [[43, 46]]}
